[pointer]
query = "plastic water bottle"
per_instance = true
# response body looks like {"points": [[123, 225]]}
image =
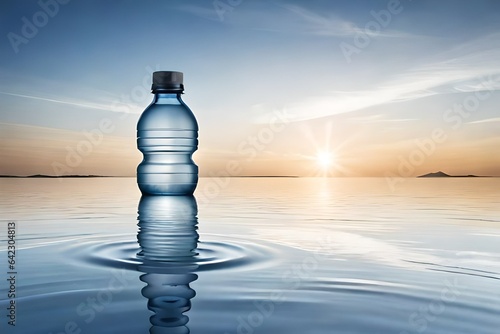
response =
{"points": [[167, 135]]}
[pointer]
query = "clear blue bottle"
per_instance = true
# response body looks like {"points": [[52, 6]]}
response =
{"points": [[167, 135]]}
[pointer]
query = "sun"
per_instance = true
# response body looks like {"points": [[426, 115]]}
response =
{"points": [[325, 159]]}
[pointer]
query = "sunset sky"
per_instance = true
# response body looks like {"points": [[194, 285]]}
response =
{"points": [[308, 88]]}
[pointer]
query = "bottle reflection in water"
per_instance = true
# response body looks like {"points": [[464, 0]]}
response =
{"points": [[168, 239]]}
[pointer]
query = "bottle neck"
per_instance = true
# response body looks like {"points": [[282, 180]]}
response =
{"points": [[167, 98]]}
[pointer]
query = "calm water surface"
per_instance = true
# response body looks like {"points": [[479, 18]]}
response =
{"points": [[254, 255]]}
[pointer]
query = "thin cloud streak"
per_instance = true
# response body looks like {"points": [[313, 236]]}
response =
{"points": [[320, 25], [394, 120], [335, 26], [288, 18], [77, 104], [488, 120], [473, 71], [208, 13]]}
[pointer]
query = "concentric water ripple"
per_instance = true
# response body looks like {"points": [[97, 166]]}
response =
{"points": [[210, 255]]}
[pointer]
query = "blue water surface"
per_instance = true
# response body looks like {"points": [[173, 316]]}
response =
{"points": [[254, 255]]}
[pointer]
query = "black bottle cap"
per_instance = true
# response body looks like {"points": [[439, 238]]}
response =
{"points": [[167, 81]]}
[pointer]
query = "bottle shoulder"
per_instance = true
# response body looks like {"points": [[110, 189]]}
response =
{"points": [[167, 116]]}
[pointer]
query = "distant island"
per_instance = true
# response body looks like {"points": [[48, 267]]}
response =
{"points": [[443, 174], [52, 176]]}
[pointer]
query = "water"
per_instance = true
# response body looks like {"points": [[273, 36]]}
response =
{"points": [[255, 255]]}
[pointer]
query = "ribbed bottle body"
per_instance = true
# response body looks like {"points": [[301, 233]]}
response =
{"points": [[167, 136]]}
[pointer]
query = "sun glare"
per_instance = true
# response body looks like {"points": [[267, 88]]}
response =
{"points": [[324, 159]]}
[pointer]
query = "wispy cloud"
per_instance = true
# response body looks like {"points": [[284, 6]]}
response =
{"points": [[82, 104], [470, 67], [367, 118], [287, 18], [330, 24], [208, 12], [394, 120], [316, 24], [487, 120]]}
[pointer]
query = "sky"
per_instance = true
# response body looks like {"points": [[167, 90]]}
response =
{"points": [[304, 88]]}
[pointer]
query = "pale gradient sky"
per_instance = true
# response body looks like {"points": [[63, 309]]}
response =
{"points": [[418, 93]]}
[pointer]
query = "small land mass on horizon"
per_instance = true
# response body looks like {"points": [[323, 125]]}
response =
{"points": [[443, 174], [52, 176]]}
